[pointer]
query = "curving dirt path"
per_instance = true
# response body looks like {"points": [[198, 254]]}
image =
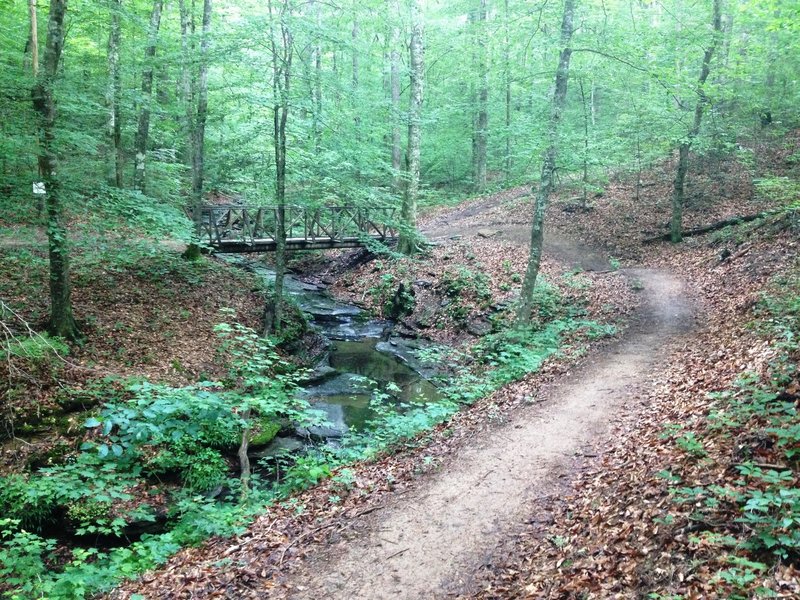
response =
{"points": [[429, 542]]}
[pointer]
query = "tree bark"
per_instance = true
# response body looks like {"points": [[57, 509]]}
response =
{"points": [[244, 459], [33, 47], [199, 137], [394, 75], [114, 97], [143, 129], [34, 37], [407, 242], [507, 84], [678, 190], [188, 79], [317, 93], [548, 168], [62, 322], [355, 34], [482, 97], [585, 183], [282, 53]]}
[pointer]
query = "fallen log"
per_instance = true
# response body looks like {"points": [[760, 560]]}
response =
{"points": [[714, 226]]}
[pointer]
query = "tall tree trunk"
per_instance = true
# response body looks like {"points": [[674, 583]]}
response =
{"points": [[143, 129], [114, 97], [585, 183], [244, 459], [34, 37], [548, 167], [355, 34], [678, 191], [62, 321], [282, 53], [507, 84], [199, 137], [394, 75], [317, 93], [32, 47], [188, 78], [356, 101], [407, 241], [482, 97]]}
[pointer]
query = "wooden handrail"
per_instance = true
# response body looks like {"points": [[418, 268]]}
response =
{"points": [[242, 228]]}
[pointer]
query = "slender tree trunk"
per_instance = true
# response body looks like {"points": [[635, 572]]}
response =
{"points": [[355, 34], [394, 75], [678, 191], [62, 321], [114, 97], [199, 137], [143, 129], [317, 93], [407, 243], [507, 83], [187, 91], [34, 37], [244, 459], [482, 114], [473, 92], [282, 53], [32, 47], [638, 164], [584, 199], [548, 167]]}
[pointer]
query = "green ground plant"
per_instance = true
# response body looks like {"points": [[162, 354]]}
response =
{"points": [[757, 514], [154, 432], [131, 441]]}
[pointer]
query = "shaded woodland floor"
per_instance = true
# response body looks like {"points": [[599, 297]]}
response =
{"points": [[590, 517]]}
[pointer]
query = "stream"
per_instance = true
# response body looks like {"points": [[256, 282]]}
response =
{"points": [[361, 350]]}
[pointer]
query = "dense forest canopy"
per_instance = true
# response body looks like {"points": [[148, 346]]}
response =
{"points": [[488, 71], [130, 411]]}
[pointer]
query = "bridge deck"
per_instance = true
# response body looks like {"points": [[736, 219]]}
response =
{"points": [[241, 229], [240, 247]]}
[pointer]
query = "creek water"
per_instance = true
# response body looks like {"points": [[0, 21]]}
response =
{"points": [[363, 356]]}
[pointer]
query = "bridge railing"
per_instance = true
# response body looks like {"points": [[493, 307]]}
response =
{"points": [[256, 225]]}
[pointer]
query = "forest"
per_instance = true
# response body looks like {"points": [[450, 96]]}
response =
{"points": [[399, 298]]}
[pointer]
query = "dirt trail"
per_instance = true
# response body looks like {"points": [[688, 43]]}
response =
{"points": [[429, 542]]}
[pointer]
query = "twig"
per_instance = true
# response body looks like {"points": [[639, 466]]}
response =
{"points": [[366, 511], [326, 526], [302, 537], [398, 553], [762, 465], [485, 475]]}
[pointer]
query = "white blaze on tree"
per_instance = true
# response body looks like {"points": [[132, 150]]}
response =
{"points": [[62, 322]]}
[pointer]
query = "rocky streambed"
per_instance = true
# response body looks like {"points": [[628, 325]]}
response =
{"points": [[362, 355]]}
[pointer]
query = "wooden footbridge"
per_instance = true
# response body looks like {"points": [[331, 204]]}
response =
{"points": [[239, 229]]}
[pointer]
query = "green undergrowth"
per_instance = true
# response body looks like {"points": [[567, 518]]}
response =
{"points": [[750, 520], [103, 210], [155, 443], [158, 441]]}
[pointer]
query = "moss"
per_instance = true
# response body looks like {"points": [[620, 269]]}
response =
{"points": [[84, 512], [206, 471], [50, 457], [294, 324], [264, 432]]}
